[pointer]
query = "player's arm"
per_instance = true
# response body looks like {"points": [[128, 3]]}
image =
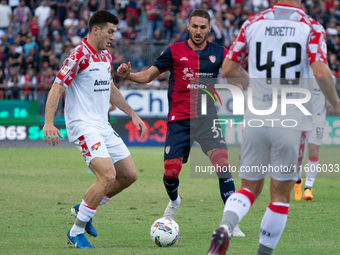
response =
{"points": [[124, 70], [49, 129], [235, 74], [118, 100], [325, 80]]}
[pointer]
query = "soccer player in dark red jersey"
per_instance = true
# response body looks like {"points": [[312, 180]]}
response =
{"points": [[192, 64]]}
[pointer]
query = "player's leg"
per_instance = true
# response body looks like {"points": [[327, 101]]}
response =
{"points": [[219, 159], [96, 152], [126, 175], [314, 139], [255, 149], [275, 217], [239, 203], [312, 166], [236, 207], [287, 148], [299, 183], [105, 172], [177, 147], [209, 135]]}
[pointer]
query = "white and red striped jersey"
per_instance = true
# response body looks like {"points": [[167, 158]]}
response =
{"points": [[86, 75], [281, 43]]}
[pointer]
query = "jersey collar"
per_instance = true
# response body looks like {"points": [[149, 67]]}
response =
{"points": [[286, 5], [187, 43], [88, 46]]}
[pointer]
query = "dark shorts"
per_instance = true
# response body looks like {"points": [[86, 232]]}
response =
{"points": [[181, 135]]}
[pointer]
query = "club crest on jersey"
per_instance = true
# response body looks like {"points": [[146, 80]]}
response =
{"points": [[167, 149], [109, 69], [188, 73], [95, 146], [65, 70], [212, 58]]}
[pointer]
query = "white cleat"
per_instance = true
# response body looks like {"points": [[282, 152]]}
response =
{"points": [[171, 209], [237, 232]]}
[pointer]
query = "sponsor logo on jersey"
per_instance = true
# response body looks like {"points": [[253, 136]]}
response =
{"points": [[204, 87], [212, 58], [184, 59], [94, 69], [109, 69], [101, 82], [95, 146], [65, 70], [324, 47]]}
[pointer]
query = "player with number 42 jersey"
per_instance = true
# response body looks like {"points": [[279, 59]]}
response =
{"points": [[286, 49], [277, 58]]}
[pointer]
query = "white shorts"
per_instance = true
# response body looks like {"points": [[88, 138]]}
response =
{"points": [[97, 145], [271, 152], [315, 136]]}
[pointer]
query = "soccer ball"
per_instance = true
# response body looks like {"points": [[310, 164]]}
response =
{"points": [[164, 232]]}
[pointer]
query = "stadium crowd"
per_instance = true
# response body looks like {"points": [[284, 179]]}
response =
{"points": [[36, 35]]}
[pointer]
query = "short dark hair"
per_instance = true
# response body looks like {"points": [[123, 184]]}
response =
{"points": [[200, 13], [101, 18]]}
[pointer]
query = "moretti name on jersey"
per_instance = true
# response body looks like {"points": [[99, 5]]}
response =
{"points": [[279, 31]]}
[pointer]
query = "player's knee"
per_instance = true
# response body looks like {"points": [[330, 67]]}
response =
{"points": [[172, 168], [313, 151], [132, 178], [108, 181], [219, 157]]}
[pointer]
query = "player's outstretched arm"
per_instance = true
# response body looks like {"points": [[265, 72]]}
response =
{"points": [[325, 80], [49, 129], [124, 70], [118, 100]]}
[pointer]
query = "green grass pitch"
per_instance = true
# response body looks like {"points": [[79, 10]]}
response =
{"points": [[38, 186]]}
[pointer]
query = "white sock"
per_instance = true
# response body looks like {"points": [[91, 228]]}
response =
{"points": [[176, 202], [311, 174], [236, 207], [240, 202], [105, 200], [85, 213], [273, 223]]}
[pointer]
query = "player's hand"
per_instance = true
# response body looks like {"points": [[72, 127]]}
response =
{"points": [[329, 107], [337, 108], [139, 124], [52, 134], [124, 70]]}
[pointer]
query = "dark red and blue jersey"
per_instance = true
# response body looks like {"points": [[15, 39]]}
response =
{"points": [[192, 75]]}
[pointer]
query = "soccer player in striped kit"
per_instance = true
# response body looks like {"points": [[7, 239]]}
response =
{"points": [[85, 77], [285, 48]]}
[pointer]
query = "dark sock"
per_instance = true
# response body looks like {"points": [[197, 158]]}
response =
{"points": [[227, 188], [171, 187]]}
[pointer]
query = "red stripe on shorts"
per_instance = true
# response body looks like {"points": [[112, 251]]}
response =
{"points": [[301, 149]]}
